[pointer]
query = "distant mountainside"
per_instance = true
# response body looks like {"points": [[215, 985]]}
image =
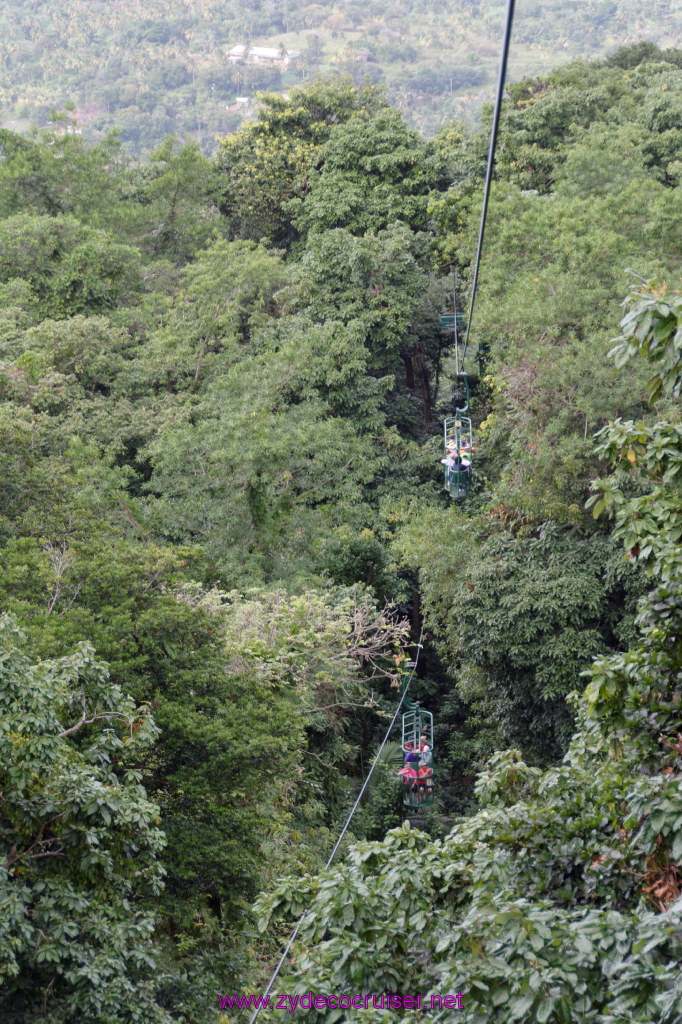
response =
{"points": [[171, 73]]}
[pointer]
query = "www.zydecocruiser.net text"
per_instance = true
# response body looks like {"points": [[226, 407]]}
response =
{"points": [[309, 1001]]}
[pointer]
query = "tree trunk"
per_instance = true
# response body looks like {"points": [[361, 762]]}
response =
{"points": [[423, 372], [409, 372]]}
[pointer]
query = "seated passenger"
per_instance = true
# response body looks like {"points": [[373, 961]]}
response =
{"points": [[413, 758], [451, 457], [426, 755], [425, 781], [409, 776]]}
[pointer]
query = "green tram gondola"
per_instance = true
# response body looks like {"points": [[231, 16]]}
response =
{"points": [[458, 436], [458, 441], [417, 742]]}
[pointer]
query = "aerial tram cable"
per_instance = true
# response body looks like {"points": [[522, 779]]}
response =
{"points": [[457, 433], [403, 698], [491, 162]]}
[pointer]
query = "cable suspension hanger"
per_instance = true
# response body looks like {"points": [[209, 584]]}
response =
{"points": [[354, 808], [491, 162]]}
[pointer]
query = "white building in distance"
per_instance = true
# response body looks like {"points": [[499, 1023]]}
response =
{"points": [[262, 55]]}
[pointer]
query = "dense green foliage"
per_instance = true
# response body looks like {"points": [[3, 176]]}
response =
{"points": [[221, 387], [80, 842], [559, 899]]}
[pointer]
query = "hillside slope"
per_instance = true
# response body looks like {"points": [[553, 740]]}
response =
{"points": [[152, 76]]}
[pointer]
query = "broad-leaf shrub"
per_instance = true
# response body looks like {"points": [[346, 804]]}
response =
{"points": [[78, 843]]}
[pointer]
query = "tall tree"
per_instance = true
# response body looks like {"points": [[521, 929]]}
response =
{"points": [[79, 843], [268, 163]]}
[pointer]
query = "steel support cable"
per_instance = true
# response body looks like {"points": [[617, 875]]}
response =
{"points": [[354, 808], [491, 162]]}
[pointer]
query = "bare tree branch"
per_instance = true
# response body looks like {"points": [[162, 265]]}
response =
{"points": [[88, 721], [13, 856], [332, 767]]}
